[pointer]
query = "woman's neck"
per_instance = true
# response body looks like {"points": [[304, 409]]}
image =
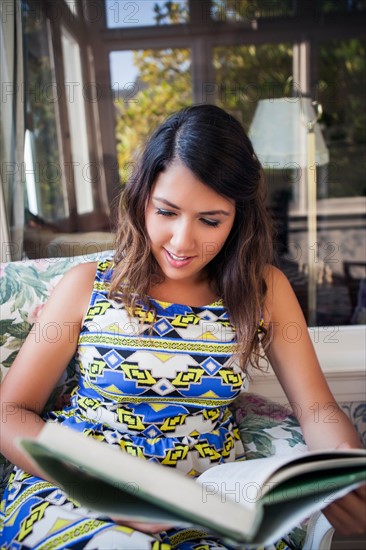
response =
{"points": [[198, 294]]}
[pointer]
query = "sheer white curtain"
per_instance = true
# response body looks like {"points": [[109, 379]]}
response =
{"points": [[11, 130]]}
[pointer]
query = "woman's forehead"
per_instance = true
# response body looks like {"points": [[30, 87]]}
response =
{"points": [[178, 184]]}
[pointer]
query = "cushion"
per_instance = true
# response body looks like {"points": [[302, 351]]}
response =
{"points": [[267, 428], [24, 288]]}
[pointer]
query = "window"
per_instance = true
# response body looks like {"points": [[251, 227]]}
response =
{"points": [[238, 69], [74, 84], [62, 169], [245, 74], [234, 11], [147, 85], [43, 168], [148, 58], [341, 223], [141, 13]]}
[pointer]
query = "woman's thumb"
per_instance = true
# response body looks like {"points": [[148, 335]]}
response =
{"points": [[344, 445]]}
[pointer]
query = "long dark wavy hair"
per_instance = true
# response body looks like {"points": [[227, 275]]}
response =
{"points": [[214, 146]]}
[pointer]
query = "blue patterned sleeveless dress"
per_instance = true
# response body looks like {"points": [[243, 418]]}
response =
{"points": [[156, 385]]}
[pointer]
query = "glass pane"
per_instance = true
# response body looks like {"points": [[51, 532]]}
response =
{"points": [[32, 191], [246, 10], [73, 6], [341, 224], [246, 74], [331, 6], [43, 166], [141, 13], [337, 254], [147, 86], [77, 123]]}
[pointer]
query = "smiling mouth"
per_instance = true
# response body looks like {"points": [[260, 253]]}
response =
{"points": [[178, 258]]}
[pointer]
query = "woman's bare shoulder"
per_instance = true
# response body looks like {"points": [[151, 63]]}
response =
{"points": [[274, 276], [279, 290], [75, 287], [80, 276], [85, 269]]}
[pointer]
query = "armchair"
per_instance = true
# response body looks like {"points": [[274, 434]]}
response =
{"points": [[266, 428]]}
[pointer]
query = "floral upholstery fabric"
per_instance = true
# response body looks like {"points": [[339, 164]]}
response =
{"points": [[24, 288], [267, 428]]}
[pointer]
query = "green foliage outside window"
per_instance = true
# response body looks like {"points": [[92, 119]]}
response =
{"points": [[164, 86]]}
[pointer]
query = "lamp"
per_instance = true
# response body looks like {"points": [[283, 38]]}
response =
{"points": [[285, 134]]}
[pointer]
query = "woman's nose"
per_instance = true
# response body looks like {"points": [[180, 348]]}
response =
{"points": [[182, 238]]}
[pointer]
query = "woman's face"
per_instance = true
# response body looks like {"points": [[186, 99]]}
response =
{"points": [[187, 223]]}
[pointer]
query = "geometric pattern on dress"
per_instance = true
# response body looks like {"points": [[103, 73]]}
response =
{"points": [[113, 359], [211, 365], [163, 387], [207, 315], [163, 327]]}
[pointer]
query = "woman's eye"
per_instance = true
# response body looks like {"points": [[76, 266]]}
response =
{"points": [[211, 223], [164, 212]]}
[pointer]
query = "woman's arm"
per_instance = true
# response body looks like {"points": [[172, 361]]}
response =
{"points": [[294, 361], [42, 359], [324, 424]]}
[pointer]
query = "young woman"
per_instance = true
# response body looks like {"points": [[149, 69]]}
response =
{"points": [[165, 333]]}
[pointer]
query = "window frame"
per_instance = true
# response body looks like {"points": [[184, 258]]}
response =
{"points": [[58, 15]]}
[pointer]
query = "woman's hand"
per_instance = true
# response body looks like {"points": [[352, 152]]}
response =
{"points": [[348, 514], [144, 527]]}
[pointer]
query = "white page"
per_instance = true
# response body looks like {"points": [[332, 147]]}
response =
{"points": [[315, 466]]}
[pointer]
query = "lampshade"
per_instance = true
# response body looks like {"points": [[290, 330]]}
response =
{"points": [[279, 132]]}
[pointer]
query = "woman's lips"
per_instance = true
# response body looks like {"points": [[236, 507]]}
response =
{"points": [[177, 261]]}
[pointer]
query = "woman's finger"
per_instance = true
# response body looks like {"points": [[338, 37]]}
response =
{"points": [[144, 527], [348, 514]]}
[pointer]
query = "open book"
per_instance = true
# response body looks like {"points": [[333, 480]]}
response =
{"points": [[253, 501]]}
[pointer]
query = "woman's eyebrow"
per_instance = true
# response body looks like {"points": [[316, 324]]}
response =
{"points": [[206, 213]]}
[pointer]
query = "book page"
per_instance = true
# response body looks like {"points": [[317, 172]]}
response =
{"points": [[248, 481], [315, 466], [241, 481]]}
